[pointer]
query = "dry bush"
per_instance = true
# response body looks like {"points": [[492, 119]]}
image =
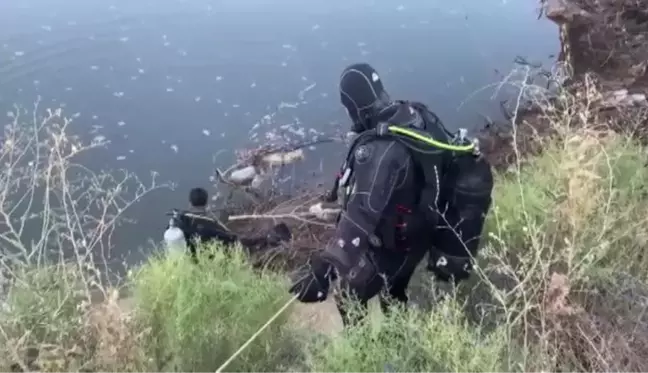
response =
{"points": [[57, 219], [252, 211], [567, 225]]}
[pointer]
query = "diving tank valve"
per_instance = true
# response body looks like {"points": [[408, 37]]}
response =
{"points": [[462, 138]]}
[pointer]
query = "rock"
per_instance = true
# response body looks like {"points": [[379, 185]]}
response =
{"points": [[565, 11]]}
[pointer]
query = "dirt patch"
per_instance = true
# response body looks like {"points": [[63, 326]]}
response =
{"points": [[318, 317]]}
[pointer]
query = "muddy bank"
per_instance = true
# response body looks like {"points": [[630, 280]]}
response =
{"points": [[602, 68], [606, 37]]}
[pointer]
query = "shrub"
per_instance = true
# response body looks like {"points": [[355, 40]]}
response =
{"points": [[199, 314], [565, 245], [57, 218], [412, 340]]}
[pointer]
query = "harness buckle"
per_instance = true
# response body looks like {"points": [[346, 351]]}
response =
{"points": [[382, 129]]}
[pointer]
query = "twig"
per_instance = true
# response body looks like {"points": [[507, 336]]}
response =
{"points": [[276, 216]]}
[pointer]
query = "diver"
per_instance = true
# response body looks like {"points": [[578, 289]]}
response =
{"points": [[410, 188], [198, 225]]}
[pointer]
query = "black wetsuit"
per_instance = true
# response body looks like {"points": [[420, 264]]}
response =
{"points": [[393, 217], [197, 224]]}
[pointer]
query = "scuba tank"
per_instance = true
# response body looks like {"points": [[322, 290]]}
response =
{"points": [[174, 237]]}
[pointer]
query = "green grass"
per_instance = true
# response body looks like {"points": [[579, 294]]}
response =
{"points": [[413, 340], [198, 315]]}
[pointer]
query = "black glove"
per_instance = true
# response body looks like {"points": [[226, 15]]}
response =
{"points": [[279, 233], [313, 281], [449, 268]]}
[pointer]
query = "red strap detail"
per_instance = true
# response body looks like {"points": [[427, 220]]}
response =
{"points": [[403, 209]]}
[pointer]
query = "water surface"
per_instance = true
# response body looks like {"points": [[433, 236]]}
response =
{"points": [[172, 82]]}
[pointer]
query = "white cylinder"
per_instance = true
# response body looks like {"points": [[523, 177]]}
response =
{"points": [[175, 240]]}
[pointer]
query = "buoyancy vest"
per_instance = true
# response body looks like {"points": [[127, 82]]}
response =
{"points": [[432, 148]]}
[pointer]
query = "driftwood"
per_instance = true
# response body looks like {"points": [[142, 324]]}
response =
{"points": [[316, 211]]}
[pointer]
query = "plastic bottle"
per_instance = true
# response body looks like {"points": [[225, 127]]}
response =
{"points": [[175, 239]]}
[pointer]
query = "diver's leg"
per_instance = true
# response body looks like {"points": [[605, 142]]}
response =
{"points": [[400, 275], [352, 311], [279, 233], [355, 291], [395, 292]]}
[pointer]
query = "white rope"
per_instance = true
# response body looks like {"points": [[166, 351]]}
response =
{"points": [[255, 335]]}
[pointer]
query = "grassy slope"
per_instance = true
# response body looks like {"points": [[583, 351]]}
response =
{"points": [[560, 285]]}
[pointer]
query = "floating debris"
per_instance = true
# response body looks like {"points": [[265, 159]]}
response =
{"points": [[303, 92], [219, 78], [315, 27], [121, 157], [291, 105], [261, 164], [124, 39], [174, 148], [19, 53], [94, 67], [98, 139], [325, 213], [206, 132], [121, 123], [118, 94], [242, 176], [169, 89], [197, 98]]}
